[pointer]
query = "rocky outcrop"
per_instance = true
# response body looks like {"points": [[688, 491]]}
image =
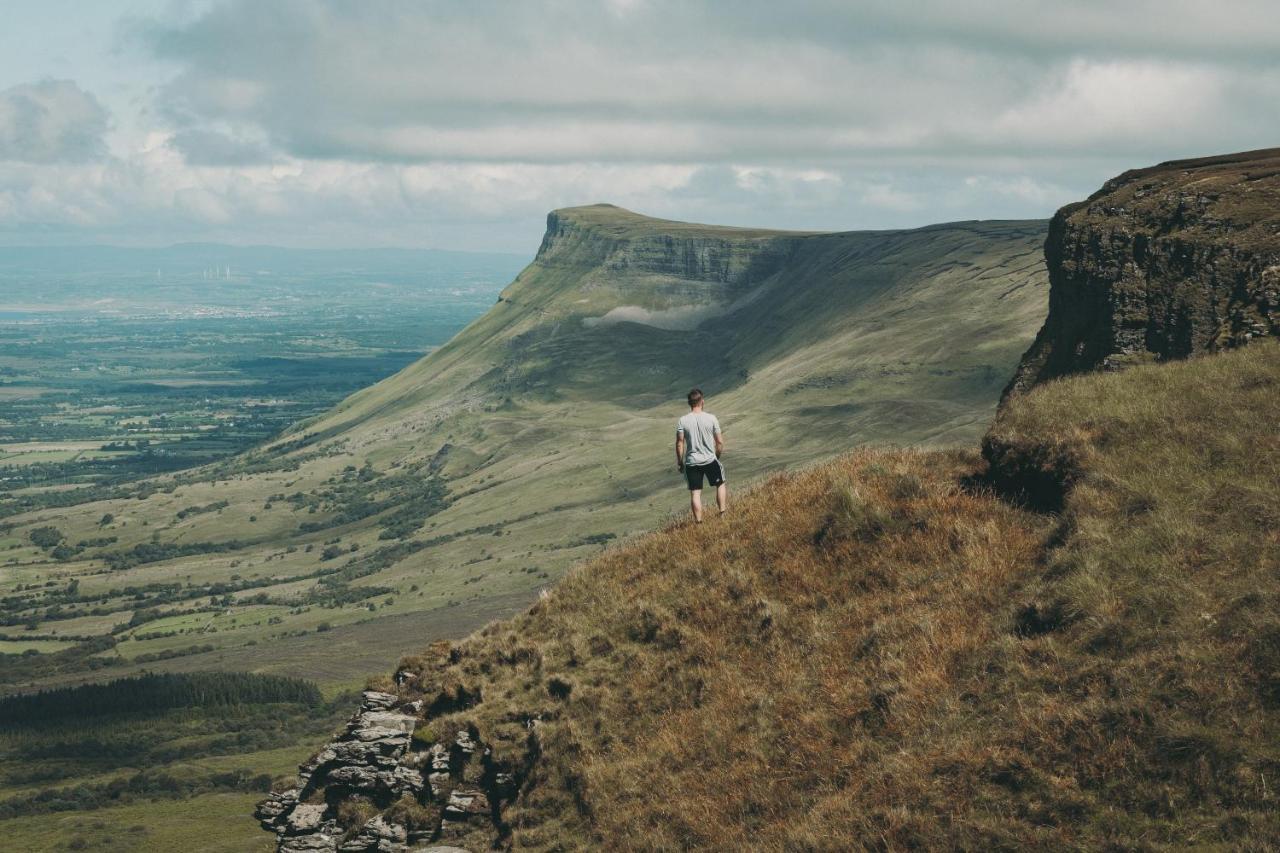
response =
{"points": [[377, 787], [716, 255], [1162, 263]]}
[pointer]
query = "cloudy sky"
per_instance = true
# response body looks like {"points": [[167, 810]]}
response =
{"points": [[460, 124]]}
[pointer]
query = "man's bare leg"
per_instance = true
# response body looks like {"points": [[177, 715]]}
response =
{"points": [[722, 498], [695, 503]]}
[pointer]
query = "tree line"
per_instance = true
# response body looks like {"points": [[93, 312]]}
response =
{"points": [[157, 692]]}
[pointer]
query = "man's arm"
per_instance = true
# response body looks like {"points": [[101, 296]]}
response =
{"points": [[719, 444], [680, 451]]}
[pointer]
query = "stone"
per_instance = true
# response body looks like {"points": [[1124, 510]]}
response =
{"points": [[439, 783], [465, 742], [305, 818], [315, 843], [357, 777], [504, 783], [270, 811], [1145, 270], [465, 803], [389, 720], [374, 700], [378, 835], [407, 779]]}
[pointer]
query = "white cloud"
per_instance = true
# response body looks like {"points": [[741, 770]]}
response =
{"points": [[51, 121], [434, 122], [889, 198], [1091, 103], [1023, 188], [703, 81]]}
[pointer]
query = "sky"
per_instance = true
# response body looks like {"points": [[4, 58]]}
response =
{"points": [[458, 125]]}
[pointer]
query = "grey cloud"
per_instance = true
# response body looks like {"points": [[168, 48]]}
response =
{"points": [[718, 82], [201, 147], [424, 122], [52, 121]]}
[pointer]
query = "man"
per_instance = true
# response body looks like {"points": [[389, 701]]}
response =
{"points": [[699, 444]]}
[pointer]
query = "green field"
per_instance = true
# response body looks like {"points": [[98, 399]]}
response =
{"points": [[120, 364], [122, 765]]}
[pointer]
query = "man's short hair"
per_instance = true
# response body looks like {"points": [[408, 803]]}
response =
{"points": [[695, 396]]}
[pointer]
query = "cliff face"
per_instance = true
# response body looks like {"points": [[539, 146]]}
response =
{"points": [[1162, 263], [712, 255]]}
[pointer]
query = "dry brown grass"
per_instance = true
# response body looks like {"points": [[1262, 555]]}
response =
{"points": [[870, 656]]}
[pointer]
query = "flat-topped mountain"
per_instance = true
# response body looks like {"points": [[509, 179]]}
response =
{"points": [[451, 492]]}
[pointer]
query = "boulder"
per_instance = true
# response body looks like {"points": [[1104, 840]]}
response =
{"points": [[305, 818], [315, 843], [374, 700], [271, 811], [378, 835], [465, 803]]}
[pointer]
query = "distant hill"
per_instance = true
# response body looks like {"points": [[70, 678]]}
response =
{"points": [[188, 258], [1070, 642], [453, 491]]}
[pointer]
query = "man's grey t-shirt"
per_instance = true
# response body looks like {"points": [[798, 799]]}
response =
{"points": [[699, 430]]}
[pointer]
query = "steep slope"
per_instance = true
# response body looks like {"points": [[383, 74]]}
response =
{"points": [[866, 655], [1164, 262], [882, 653], [448, 494]]}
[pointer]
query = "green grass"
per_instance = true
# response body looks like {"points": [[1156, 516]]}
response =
{"points": [[211, 823], [87, 764], [17, 647]]}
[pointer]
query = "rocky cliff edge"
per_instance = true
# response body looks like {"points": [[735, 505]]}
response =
{"points": [[1162, 263]]}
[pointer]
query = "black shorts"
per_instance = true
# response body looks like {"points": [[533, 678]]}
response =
{"points": [[713, 471]]}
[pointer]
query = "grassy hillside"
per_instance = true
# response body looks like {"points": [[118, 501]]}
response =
{"points": [[880, 653], [449, 493]]}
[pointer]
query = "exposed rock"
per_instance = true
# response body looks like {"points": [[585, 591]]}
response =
{"points": [[366, 758], [275, 806], [465, 742], [315, 843], [376, 701], [464, 803], [304, 818], [729, 256], [1167, 262], [464, 806], [378, 835]]}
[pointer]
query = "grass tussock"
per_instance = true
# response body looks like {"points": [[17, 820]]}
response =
{"points": [[870, 655]]}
